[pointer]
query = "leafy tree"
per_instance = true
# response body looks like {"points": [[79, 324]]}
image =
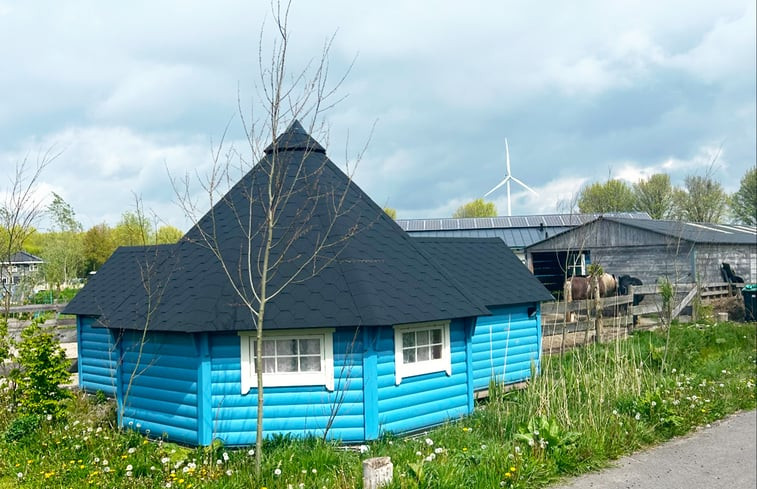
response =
{"points": [[133, 230], [476, 208], [98, 244], [611, 196], [701, 200], [655, 196], [168, 234], [391, 212], [63, 251], [744, 201]]}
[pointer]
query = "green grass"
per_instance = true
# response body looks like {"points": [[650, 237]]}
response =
{"points": [[587, 407]]}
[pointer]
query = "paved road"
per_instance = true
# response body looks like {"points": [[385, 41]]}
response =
{"points": [[723, 455]]}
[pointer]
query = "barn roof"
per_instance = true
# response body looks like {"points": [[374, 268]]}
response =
{"points": [[368, 272], [695, 232], [699, 233], [487, 268], [516, 231]]}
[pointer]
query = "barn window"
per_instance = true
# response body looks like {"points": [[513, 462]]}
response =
{"points": [[290, 358], [421, 348]]}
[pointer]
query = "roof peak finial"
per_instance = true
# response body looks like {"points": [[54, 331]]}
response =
{"points": [[295, 138]]}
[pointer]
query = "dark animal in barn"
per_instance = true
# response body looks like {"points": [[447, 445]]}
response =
{"points": [[624, 282], [728, 275], [580, 286]]}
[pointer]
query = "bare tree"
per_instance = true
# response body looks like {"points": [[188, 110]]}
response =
{"points": [[21, 208], [284, 217]]}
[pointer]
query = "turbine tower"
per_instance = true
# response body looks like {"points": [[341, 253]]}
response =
{"points": [[506, 180]]}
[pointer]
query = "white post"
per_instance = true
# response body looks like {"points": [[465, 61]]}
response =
{"points": [[377, 472]]}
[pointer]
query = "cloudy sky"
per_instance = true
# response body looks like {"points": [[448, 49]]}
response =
{"points": [[128, 91]]}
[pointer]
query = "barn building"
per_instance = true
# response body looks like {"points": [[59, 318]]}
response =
{"points": [[683, 252], [371, 331]]}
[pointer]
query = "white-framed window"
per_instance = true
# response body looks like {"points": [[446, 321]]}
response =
{"points": [[421, 348], [290, 358]]}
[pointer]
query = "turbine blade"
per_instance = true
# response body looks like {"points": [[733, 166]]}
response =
{"points": [[507, 157], [524, 185], [498, 186]]}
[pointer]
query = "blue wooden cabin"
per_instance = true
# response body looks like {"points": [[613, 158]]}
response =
{"points": [[385, 333]]}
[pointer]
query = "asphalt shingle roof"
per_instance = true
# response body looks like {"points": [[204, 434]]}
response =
{"points": [[487, 269], [368, 272]]}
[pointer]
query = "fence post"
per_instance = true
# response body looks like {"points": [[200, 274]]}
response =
{"points": [[377, 472]]}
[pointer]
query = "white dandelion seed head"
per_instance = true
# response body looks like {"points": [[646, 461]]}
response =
{"points": [[129, 467], [429, 441], [277, 472]]}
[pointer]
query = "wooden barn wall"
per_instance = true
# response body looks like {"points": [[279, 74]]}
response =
{"points": [[158, 384], [299, 411], [742, 258], [601, 234], [648, 263], [98, 357], [505, 345], [424, 400]]}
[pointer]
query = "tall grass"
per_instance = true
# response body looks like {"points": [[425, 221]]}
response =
{"points": [[587, 407]]}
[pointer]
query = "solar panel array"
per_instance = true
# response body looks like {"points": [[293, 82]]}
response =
{"points": [[534, 221]]}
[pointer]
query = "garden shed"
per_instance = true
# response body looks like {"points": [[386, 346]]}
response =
{"points": [[683, 252], [375, 337]]}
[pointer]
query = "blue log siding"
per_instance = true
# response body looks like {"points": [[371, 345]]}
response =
{"points": [[98, 357], [424, 400], [158, 384], [504, 345], [299, 411]]}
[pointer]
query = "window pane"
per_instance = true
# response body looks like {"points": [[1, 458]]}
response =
{"points": [[436, 352], [286, 347], [269, 348], [408, 355], [436, 336], [408, 339], [423, 354], [269, 365], [310, 364], [422, 337], [286, 364], [310, 347]]}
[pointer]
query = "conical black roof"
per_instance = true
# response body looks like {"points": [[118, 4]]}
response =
{"points": [[367, 270]]}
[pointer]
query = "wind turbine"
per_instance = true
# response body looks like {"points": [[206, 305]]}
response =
{"points": [[506, 180]]}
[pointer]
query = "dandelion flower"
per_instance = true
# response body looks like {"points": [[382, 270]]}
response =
{"points": [[131, 450], [129, 467], [418, 453], [429, 441], [20, 475], [637, 417], [438, 450], [225, 457], [315, 471], [277, 472], [251, 452], [483, 447], [229, 472]]}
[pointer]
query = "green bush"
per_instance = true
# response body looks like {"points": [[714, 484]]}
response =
{"points": [[22, 426], [42, 367]]}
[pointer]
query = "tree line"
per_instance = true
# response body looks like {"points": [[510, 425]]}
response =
{"points": [[699, 199], [69, 251]]}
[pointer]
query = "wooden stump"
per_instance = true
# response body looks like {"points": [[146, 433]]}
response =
{"points": [[377, 472]]}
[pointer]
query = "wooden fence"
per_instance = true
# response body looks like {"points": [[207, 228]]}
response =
{"points": [[643, 301]]}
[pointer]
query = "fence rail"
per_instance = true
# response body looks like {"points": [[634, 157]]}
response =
{"points": [[643, 300]]}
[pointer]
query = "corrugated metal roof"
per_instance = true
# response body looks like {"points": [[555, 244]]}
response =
{"points": [[696, 232]]}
